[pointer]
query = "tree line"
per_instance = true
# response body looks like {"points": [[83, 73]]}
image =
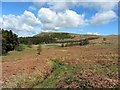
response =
{"points": [[46, 38], [36, 40], [10, 40]]}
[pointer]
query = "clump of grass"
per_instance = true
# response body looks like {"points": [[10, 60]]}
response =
{"points": [[59, 71], [23, 81], [69, 80], [77, 82], [20, 47], [110, 70], [29, 44], [62, 45], [57, 64], [39, 49], [104, 39]]}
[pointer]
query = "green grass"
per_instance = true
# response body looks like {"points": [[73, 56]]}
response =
{"points": [[17, 55], [21, 47], [110, 70], [60, 70], [53, 45], [82, 81], [65, 73], [40, 82], [112, 45], [23, 81], [103, 45], [107, 56]]}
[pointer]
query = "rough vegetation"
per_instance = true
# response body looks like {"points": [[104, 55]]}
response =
{"points": [[39, 49], [9, 41], [94, 65]]}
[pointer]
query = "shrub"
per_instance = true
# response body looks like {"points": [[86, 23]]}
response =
{"points": [[62, 45], [4, 52], [57, 64], [84, 42], [65, 45], [71, 44], [69, 80], [9, 41], [104, 39], [39, 49], [19, 48], [29, 44]]}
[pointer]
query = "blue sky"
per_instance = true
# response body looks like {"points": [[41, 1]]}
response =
{"points": [[30, 18]]}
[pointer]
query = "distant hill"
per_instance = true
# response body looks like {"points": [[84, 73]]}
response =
{"points": [[58, 35], [61, 35], [52, 33]]}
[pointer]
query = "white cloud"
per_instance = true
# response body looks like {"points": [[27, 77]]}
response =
{"points": [[74, 0], [59, 15], [58, 9], [57, 6], [30, 19], [46, 15], [99, 6], [103, 8], [52, 20], [90, 33], [62, 5], [31, 8], [1, 22], [20, 24], [103, 17]]}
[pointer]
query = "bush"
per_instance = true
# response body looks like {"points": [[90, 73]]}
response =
{"points": [[71, 44], [39, 49], [65, 45], [4, 52], [69, 80], [30, 45], [62, 45], [104, 39], [9, 41], [56, 64], [84, 42], [19, 48]]}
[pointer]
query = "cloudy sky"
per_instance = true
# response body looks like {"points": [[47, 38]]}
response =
{"points": [[30, 18]]}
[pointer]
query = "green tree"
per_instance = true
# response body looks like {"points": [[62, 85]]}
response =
{"points": [[9, 41]]}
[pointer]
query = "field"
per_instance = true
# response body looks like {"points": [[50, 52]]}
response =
{"points": [[91, 66]]}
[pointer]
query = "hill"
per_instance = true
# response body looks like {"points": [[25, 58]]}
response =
{"points": [[61, 35]]}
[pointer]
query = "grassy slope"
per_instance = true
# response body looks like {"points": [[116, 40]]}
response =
{"points": [[75, 36], [64, 75]]}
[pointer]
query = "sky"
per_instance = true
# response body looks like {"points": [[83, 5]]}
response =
{"points": [[31, 18]]}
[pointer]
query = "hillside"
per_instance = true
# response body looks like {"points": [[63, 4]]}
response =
{"points": [[61, 35], [91, 66]]}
